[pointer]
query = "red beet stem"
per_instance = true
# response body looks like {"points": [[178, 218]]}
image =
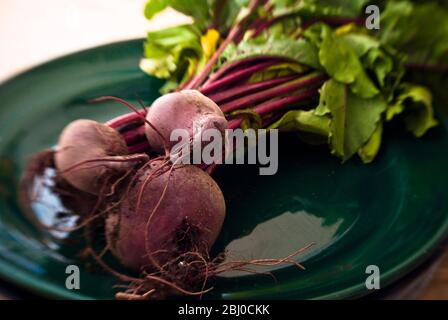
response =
{"points": [[200, 78], [239, 64], [134, 146], [139, 147], [251, 99], [427, 67], [234, 124], [233, 34], [247, 88], [235, 76], [125, 119], [134, 135], [133, 108], [274, 105], [335, 21]]}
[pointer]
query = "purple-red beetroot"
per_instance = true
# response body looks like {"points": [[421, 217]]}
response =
{"points": [[182, 110], [161, 218], [168, 210], [90, 155]]}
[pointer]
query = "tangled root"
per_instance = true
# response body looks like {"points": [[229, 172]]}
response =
{"points": [[191, 270], [188, 270]]}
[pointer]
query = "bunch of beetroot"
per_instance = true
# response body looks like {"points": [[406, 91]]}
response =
{"points": [[160, 218]]}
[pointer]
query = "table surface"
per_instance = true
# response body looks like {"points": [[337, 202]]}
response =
{"points": [[32, 32], [438, 287], [61, 27]]}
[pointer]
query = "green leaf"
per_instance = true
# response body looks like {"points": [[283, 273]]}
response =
{"points": [[333, 100], [172, 53], [374, 57], [303, 121], [329, 93], [175, 37], [316, 8], [277, 70], [370, 150], [341, 61], [225, 12], [354, 119], [416, 102], [436, 82], [418, 29], [153, 7], [284, 27], [347, 120], [160, 64], [381, 64], [221, 14], [360, 43], [250, 119], [381, 61], [197, 9], [300, 51]]}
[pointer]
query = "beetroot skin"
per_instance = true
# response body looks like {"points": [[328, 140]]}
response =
{"points": [[181, 110], [90, 154], [189, 216]]}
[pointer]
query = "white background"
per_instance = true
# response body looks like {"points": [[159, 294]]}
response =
{"points": [[34, 31]]}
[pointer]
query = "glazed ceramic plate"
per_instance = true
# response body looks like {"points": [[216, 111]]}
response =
{"points": [[391, 213]]}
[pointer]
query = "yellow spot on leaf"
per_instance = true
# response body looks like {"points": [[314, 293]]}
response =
{"points": [[209, 42], [346, 28]]}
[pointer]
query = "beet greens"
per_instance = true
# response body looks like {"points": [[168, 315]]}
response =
{"points": [[305, 66]]}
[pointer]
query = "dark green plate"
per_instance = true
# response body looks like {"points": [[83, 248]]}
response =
{"points": [[390, 214]]}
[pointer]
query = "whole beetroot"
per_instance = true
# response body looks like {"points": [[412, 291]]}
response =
{"points": [[168, 211], [187, 109], [90, 154]]}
